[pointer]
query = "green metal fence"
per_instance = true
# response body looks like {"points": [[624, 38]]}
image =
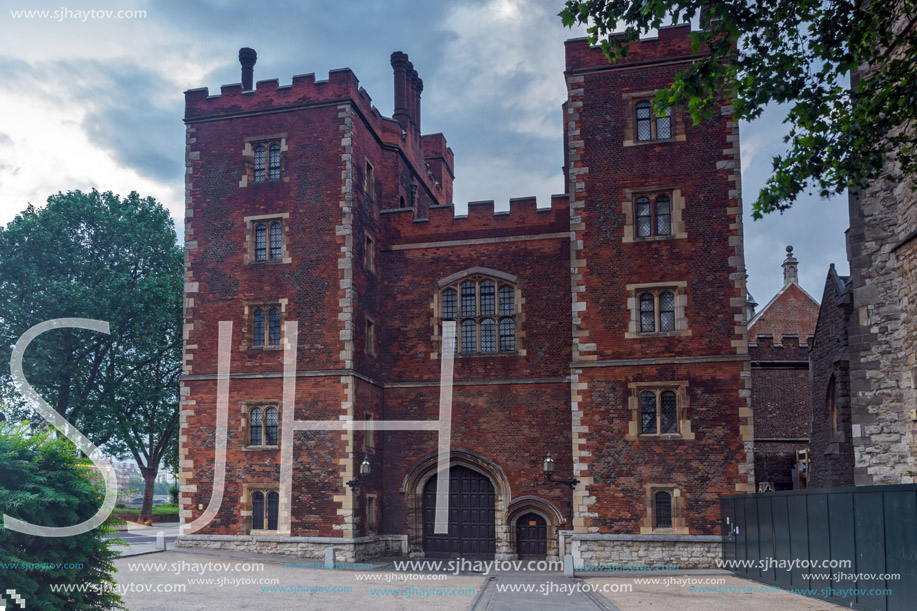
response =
{"points": [[772, 536]]}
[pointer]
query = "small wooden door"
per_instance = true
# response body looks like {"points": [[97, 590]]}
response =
{"points": [[531, 536]]}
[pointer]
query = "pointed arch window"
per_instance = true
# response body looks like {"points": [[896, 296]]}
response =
{"points": [[260, 162], [260, 242], [274, 162], [276, 241], [644, 123], [257, 510]]}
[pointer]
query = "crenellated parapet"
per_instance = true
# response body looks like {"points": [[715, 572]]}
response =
{"points": [[672, 42], [523, 219]]}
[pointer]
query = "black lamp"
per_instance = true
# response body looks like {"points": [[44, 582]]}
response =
{"points": [[365, 470], [548, 467]]}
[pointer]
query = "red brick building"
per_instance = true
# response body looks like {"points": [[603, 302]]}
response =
{"points": [[779, 338], [607, 329]]}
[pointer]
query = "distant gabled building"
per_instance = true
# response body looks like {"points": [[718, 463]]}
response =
{"points": [[781, 397]]}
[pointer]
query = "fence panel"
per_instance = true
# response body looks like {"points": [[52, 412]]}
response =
{"points": [[829, 542]]}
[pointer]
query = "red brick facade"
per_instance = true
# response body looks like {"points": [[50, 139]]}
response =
{"points": [[370, 327]]}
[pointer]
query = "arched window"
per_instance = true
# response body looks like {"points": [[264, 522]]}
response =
{"points": [[644, 129], [507, 301], [663, 502], [666, 312], [273, 327], [469, 336], [664, 125], [647, 313], [270, 426], [273, 505], [663, 215], [644, 217], [254, 437], [274, 162], [668, 413], [258, 328], [257, 510], [276, 241], [488, 298], [260, 162], [507, 335], [469, 299], [450, 304], [488, 334], [648, 412], [401, 203], [260, 242]]}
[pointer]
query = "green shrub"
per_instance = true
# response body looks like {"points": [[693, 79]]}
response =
{"points": [[44, 481]]}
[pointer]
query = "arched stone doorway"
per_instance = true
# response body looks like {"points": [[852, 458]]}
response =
{"points": [[471, 517], [414, 485], [525, 509]]}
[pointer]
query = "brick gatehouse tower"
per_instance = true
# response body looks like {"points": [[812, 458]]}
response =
{"points": [[605, 328]]}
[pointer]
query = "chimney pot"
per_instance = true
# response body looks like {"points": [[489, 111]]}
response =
{"points": [[247, 57]]}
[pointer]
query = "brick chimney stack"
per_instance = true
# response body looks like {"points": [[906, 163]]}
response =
{"points": [[403, 90], [790, 268], [247, 57]]}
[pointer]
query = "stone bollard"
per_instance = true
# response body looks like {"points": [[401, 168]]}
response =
{"points": [[568, 566], [329, 557], [161, 541]]}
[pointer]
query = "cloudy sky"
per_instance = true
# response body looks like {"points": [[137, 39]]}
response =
{"points": [[97, 103]]}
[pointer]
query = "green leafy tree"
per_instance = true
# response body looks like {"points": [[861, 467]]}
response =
{"points": [[44, 481], [96, 255], [798, 53]]}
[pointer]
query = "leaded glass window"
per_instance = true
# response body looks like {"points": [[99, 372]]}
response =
{"points": [[664, 125], [488, 335], [469, 299], [507, 334], [644, 129], [450, 304], [648, 412], [663, 510], [258, 328], [270, 426], [668, 416], [274, 327], [274, 162], [273, 506], [663, 215], [488, 298], [469, 336], [260, 242], [666, 312], [644, 217], [507, 301], [276, 241], [257, 511], [260, 161], [254, 427], [647, 313]]}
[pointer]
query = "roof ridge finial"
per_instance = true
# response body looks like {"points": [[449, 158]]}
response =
{"points": [[790, 268]]}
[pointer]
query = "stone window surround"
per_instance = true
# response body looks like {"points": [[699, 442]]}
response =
{"points": [[248, 157], [369, 180], [245, 407], [369, 335], [677, 201], [454, 281], [372, 525], [630, 120], [246, 510], [369, 435], [680, 387], [248, 313], [369, 252], [656, 288], [248, 256], [648, 527]]}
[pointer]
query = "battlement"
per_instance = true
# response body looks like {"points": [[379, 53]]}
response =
{"points": [[341, 84], [524, 217], [788, 347], [671, 43]]}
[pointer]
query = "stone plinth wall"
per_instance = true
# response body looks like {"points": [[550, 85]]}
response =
{"points": [[347, 550], [686, 551]]}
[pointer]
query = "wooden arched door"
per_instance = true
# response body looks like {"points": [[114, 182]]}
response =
{"points": [[531, 536], [471, 517]]}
